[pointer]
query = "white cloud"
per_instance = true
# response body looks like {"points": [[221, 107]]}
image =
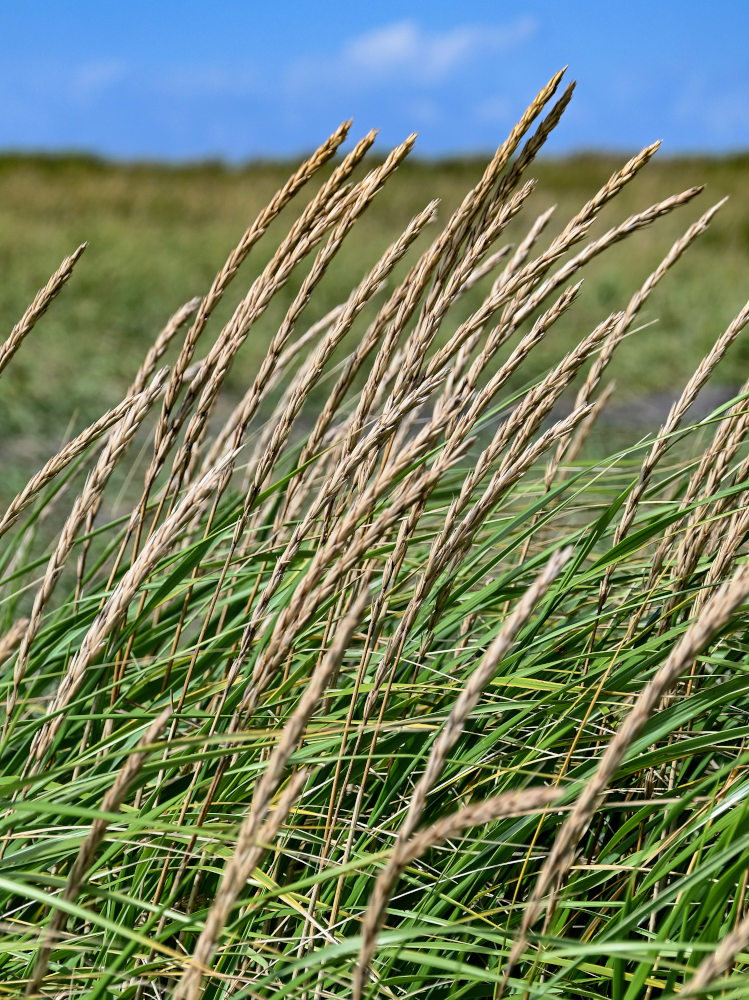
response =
{"points": [[406, 48], [92, 78], [406, 51]]}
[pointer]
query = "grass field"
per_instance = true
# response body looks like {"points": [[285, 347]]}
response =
{"points": [[400, 693]]}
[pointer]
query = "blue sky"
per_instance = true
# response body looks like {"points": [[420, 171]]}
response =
{"points": [[189, 80]]}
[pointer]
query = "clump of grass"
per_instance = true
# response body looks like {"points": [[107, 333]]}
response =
{"points": [[395, 696]]}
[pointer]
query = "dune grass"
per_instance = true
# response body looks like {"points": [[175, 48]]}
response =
{"points": [[391, 693]]}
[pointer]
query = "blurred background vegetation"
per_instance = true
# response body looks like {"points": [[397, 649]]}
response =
{"points": [[157, 235]]}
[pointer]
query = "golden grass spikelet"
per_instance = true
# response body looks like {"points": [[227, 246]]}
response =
{"points": [[38, 307], [720, 961], [12, 638]]}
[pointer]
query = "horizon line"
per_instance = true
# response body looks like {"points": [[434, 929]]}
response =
{"points": [[94, 158]]}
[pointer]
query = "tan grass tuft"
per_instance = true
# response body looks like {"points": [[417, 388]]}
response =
{"points": [[716, 615], [319, 578]]}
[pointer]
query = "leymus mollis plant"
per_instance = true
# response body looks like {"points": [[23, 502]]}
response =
{"points": [[380, 686]]}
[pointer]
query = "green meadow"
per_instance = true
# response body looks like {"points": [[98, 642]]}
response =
{"points": [[156, 233]]}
